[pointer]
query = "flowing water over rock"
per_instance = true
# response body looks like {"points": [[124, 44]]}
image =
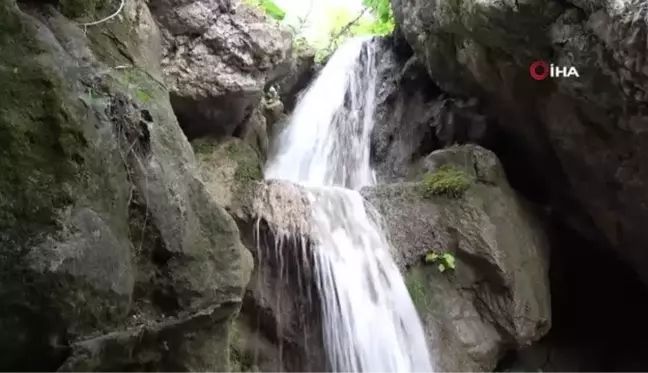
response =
{"points": [[370, 323]]}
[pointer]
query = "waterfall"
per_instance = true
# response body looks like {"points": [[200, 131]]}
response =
{"points": [[370, 323]]}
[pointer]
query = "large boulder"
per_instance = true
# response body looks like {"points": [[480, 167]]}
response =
{"points": [[113, 255], [585, 137], [497, 296], [218, 57]]}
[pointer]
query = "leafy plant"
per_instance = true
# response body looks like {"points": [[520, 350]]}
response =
{"points": [[381, 8], [444, 261], [345, 24], [447, 180], [269, 7]]}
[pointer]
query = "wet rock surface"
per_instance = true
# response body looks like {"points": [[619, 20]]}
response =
{"points": [[280, 325], [497, 297]]}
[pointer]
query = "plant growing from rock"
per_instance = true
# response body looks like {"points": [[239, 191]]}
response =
{"points": [[444, 261], [448, 180], [269, 7]]}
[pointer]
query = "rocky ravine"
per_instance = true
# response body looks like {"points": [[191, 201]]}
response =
{"points": [[124, 247]]}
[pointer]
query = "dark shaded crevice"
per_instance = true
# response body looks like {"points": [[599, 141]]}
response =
{"points": [[598, 312], [217, 117]]}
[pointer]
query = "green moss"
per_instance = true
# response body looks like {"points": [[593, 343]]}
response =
{"points": [[81, 8], [41, 165], [416, 288], [204, 145], [448, 181], [248, 168], [40, 137], [115, 42], [139, 83]]}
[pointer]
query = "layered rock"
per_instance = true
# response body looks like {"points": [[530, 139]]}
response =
{"points": [[114, 256], [585, 137], [218, 57], [497, 297]]}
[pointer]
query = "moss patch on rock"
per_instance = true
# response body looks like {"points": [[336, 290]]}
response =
{"points": [[40, 139], [43, 166], [228, 167], [416, 287], [82, 8], [248, 168], [448, 181]]}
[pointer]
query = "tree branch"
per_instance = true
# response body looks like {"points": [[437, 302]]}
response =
{"points": [[348, 25]]}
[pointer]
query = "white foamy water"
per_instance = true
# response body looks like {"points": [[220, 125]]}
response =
{"points": [[370, 323]]}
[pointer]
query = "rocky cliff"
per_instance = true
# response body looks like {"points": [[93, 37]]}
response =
{"points": [[574, 147], [585, 136], [115, 252]]}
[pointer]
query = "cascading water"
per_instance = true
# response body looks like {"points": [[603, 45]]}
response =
{"points": [[370, 323]]}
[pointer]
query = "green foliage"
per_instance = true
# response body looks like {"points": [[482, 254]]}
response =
{"points": [[381, 9], [447, 180], [269, 7], [345, 24], [444, 261]]}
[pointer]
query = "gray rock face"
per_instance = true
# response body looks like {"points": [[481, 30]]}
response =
{"points": [[498, 295], [217, 61], [586, 135], [280, 325], [300, 72], [413, 117], [113, 255]]}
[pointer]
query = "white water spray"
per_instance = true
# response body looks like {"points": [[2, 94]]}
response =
{"points": [[370, 323]]}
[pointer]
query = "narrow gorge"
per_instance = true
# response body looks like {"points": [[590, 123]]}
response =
{"points": [[184, 186]]}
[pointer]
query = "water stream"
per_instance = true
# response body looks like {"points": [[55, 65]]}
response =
{"points": [[370, 323]]}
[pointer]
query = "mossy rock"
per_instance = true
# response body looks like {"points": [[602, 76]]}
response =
{"points": [[53, 189], [84, 8], [448, 181], [228, 168]]}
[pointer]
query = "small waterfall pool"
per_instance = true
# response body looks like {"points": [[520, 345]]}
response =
{"points": [[369, 320]]}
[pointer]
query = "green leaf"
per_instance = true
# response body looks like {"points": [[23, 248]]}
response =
{"points": [[442, 267], [449, 260], [269, 7], [431, 257]]}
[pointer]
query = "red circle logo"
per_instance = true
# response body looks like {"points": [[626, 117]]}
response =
{"points": [[539, 70]]}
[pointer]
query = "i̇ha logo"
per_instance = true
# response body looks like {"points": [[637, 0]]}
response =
{"points": [[541, 70]]}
